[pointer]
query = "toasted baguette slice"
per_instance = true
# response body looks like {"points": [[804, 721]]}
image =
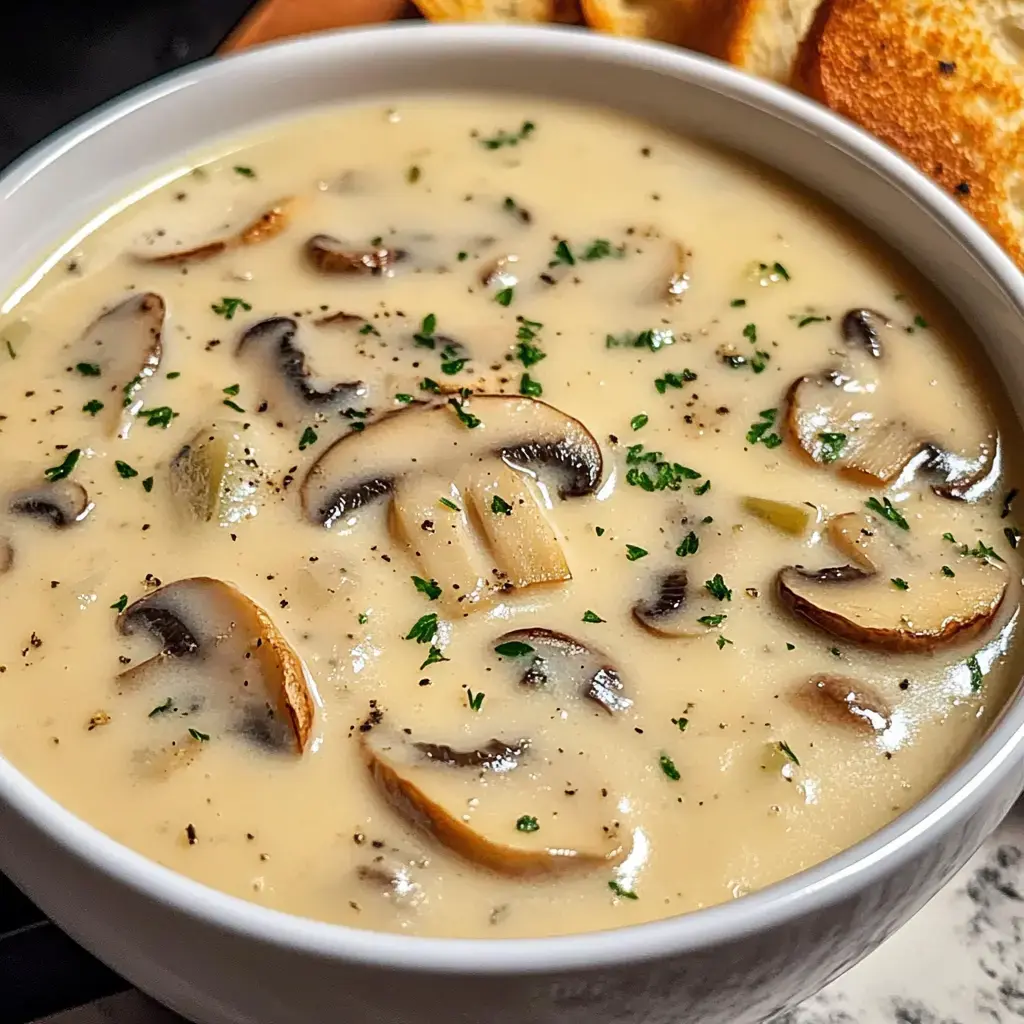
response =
{"points": [[528, 11], [763, 36], [939, 80], [670, 21]]}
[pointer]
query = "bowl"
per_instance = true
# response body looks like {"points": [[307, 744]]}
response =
{"points": [[218, 960]]}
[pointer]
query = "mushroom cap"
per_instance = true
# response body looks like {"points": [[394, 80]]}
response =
{"points": [[330, 255], [290, 387], [210, 632], [61, 503], [666, 613], [434, 797], [864, 606], [526, 433], [848, 703], [569, 667]]}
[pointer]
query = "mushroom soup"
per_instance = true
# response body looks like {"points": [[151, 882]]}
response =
{"points": [[493, 518]]}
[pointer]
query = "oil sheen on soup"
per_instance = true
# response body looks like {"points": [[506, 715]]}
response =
{"points": [[493, 518]]}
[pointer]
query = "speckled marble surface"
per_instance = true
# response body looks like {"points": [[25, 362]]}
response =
{"points": [[960, 961]]}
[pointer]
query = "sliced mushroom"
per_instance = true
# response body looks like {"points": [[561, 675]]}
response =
{"points": [[269, 224], [215, 477], [568, 667], [423, 455], [848, 703], [891, 600], [524, 432], [290, 387], [792, 517], [331, 256], [126, 344], [666, 613], [851, 417], [226, 657], [679, 279], [470, 810], [61, 503]]}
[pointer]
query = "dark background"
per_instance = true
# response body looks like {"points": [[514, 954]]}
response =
{"points": [[60, 59], [63, 57]]}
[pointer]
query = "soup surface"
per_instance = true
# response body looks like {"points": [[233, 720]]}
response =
{"points": [[492, 518]]}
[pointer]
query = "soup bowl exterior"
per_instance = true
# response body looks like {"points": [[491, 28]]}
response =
{"points": [[219, 960]]}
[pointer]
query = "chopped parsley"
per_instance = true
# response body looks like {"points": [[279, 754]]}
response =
{"points": [[309, 436], [452, 363], [466, 418], [716, 588], [760, 431], [681, 723], [832, 445], [805, 320], [513, 649], [202, 737], [527, 823], [529, 354], [899, 583], [504, 138], [640, 420], [66, 468], [424, 629], [147, 484], [500, 507], [600, 249], [434, 655], [125, 471], [949, 537], [161, 708], [665, 476], [369, 329], [653, 338], [625, 894], [785, 749], [245, 172], [760, 361], [919, 321], [977, 676], [404, 398], [120, 604], [633, 552], [173, 375], [946, 571], [688, 545], [669, 768], [229, 306], [363, 618], [530, 387], [599, 530], [92, 407], [722, 641], [779, 269], [704, 488], [589, 616], [428, 384], [424, 337], [475, 700], [450, 504], [505, 296], [428, 587], [160, 416], [232, 390], [887, 510], [563, 254], [88, 369], [233, 405], [737, 303], [982, 550], [712, 620], [750, 333], [674, 380]]}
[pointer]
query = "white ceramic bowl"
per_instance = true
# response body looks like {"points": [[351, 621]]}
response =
{"points": [[218, 960]]}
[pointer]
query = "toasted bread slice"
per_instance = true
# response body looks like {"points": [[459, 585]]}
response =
{"points": [[670, 21], [528, 11], [939, 80], [763, 36]]}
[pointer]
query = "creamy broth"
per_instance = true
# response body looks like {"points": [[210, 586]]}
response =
{"points": [[226, 573]]}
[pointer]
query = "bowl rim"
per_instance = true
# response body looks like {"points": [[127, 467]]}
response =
{"points": [[814, 889]]}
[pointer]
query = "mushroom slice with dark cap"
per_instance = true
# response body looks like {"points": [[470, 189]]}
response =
{"points": [[475, 809], [461, 501], [61, 503], [890, 599], [223, 656], [848, 703], [666, 612], [290, 387], [269, 224], [330, 255], [567, 667], [125, 345], [852, 418], [214, 476]]}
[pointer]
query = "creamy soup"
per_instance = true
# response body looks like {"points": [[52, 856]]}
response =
{"points": [[492, 518]]}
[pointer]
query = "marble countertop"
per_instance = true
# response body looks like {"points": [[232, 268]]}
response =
{"points": [[959, 961]]}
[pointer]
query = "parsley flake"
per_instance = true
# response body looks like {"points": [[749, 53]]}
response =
{"points": [[202, 737], [832, 445], [120, 604], [466, 418], [527, 823], [161, 416], [229, 306], [887, 510], [785, 749], [513, 649], [626, 894], [500, 507], [424, 629], [688, 545], [977, 676], [88, 369], [475, 700], [633, 553], [125, 471], [899, 583], [639, 421], [669, 768], [66, 468], [529, 387], [589, 616], [428, 587], [92, 407], [309, 436], [716, 588], [505, 296]]}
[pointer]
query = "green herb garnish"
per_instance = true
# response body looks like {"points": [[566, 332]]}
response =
{"points": [[450, 504], [977, 676], [887, 510], [674, 380], [425, 335], [563, 254], [712, 620], [125, 471], [229, 306], [669, 768], [161, 708], [233, 405], [640, 420], [527, 823], [505, 296], [428, 587], [688, 545], [161, 416], [466, 418], [589, 616], [500, 507], [716, 588], [120, 604], [626, 894], [633, 552], [434, 655], [245, 172], [760, 431], [475, 700], [202, 737], [832, 446], [784, 747], [424, 629], [530, 387], [504, 138], [946, 571], [88, 369], [66, 468], [513, 649], [899, 583], [92, 407], [232, 390], [309, 436], [147, 484]]}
